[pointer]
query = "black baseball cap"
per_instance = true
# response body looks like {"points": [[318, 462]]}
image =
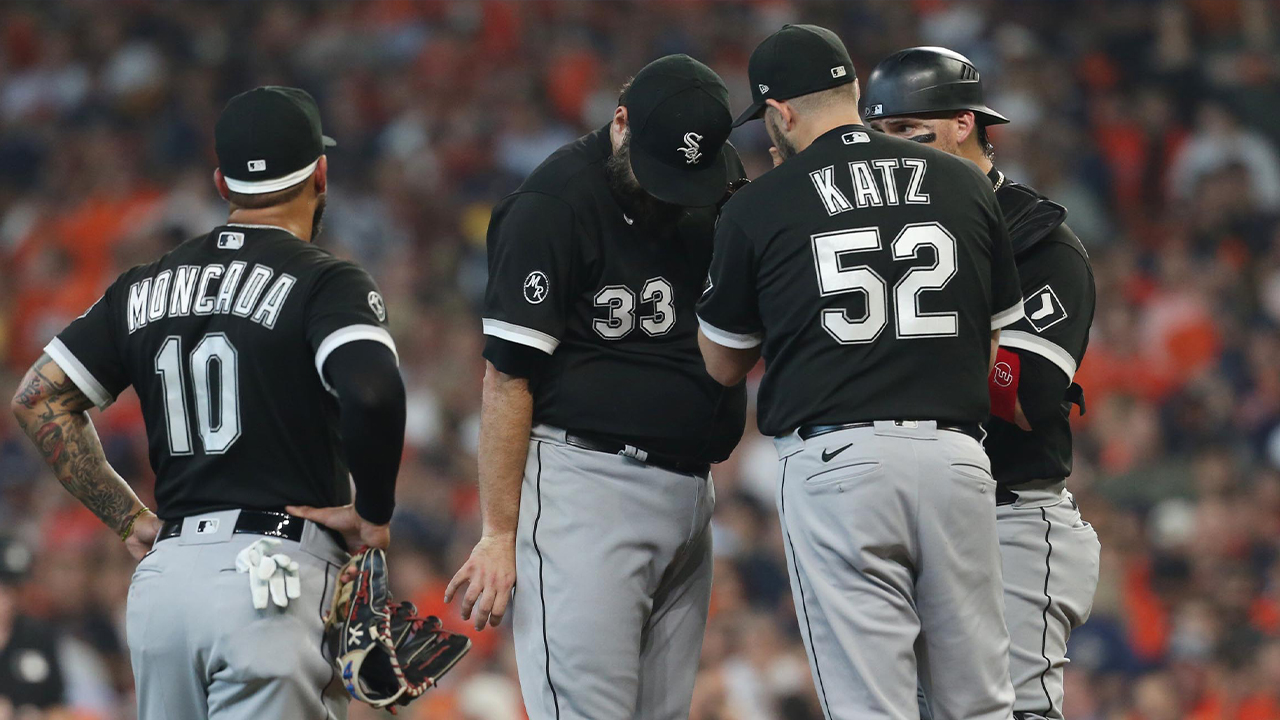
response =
{"points": [[268, 139], [678, 113], [797, 60]]}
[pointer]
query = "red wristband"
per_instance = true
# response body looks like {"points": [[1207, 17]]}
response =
{"points": [[1003, 384]]}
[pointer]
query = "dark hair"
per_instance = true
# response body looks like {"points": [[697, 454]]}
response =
{"points": [[622, 93], [266, 200], [983, 142]]}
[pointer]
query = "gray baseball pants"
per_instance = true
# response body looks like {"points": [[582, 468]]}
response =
{"points": [[1050, 557], [613, 583], [890, 535], [200, 651]]}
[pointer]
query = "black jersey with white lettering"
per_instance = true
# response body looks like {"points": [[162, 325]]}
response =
{"points": [[1058, 298], [612, 304], [224, 339], [873, 269]]}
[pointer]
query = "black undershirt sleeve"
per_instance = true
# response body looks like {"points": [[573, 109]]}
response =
{"points": [[515, 359], [1042, 388], [372, 401]]}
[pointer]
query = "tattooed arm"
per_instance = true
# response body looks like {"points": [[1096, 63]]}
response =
{"points": [[53, 412]]}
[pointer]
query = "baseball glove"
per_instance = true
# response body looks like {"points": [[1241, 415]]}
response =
{"points": [[386, 653]]}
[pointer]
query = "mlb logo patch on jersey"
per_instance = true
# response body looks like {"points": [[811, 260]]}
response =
{"points": [[1044, 309], [228, 240], [854, 138], [207, 526]]}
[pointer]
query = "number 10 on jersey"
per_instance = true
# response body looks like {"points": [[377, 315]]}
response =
{"points": [[214, 378]]}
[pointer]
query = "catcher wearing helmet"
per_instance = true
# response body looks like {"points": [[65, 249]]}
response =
{"points": [[934, 96]]}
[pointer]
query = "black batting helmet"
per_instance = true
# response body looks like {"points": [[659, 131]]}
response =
{"points": [[923, 80]]}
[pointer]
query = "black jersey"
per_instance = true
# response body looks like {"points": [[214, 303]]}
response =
{"points": [[1058, 294], [573, 276], [874, 270], [224, 339]]}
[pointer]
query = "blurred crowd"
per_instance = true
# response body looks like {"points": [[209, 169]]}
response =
{"points": [[1155, 123]]}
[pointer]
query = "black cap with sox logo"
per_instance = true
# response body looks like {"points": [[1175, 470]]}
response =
{"points": [[269, 139], [678, 114]]}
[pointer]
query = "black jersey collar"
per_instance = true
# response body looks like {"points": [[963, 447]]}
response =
{"points": [[996, 177], [600, 142], [837, 133], [1030, 216], [253, 226]]}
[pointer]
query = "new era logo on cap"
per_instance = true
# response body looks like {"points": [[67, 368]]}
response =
{"points": [[763, 88], [257, 165]]}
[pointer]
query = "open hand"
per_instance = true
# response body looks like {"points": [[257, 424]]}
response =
{"points": [[490, 574]]}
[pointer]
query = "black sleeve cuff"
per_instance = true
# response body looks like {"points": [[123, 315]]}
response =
{"points": [[376, 507]]}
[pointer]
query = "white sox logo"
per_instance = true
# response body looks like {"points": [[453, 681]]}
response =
{"points": [[692, 151], [1044, 309]]}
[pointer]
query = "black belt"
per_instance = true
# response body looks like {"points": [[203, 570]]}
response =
{"points": [[1006, 496], [258, 522], [613, 447], [806, 432]]}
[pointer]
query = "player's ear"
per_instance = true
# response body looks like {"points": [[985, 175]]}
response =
{"points": [[618, 127], [221, 183], [966, 123], [785, 113], [321, 176]]}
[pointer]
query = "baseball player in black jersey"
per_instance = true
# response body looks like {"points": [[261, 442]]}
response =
{"points": [[252, 352], [599, 421], [873, 275], [934, 96]]}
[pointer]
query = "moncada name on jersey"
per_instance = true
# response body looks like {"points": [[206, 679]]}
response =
{"points": [[186, 291]]}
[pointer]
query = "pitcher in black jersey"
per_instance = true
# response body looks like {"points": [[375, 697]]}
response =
{"points": [[599, 421], [934, 96], [874, 275], [268, 383]]}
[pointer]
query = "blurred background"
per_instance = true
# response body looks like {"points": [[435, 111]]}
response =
{"points": [[1156, 123]]}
